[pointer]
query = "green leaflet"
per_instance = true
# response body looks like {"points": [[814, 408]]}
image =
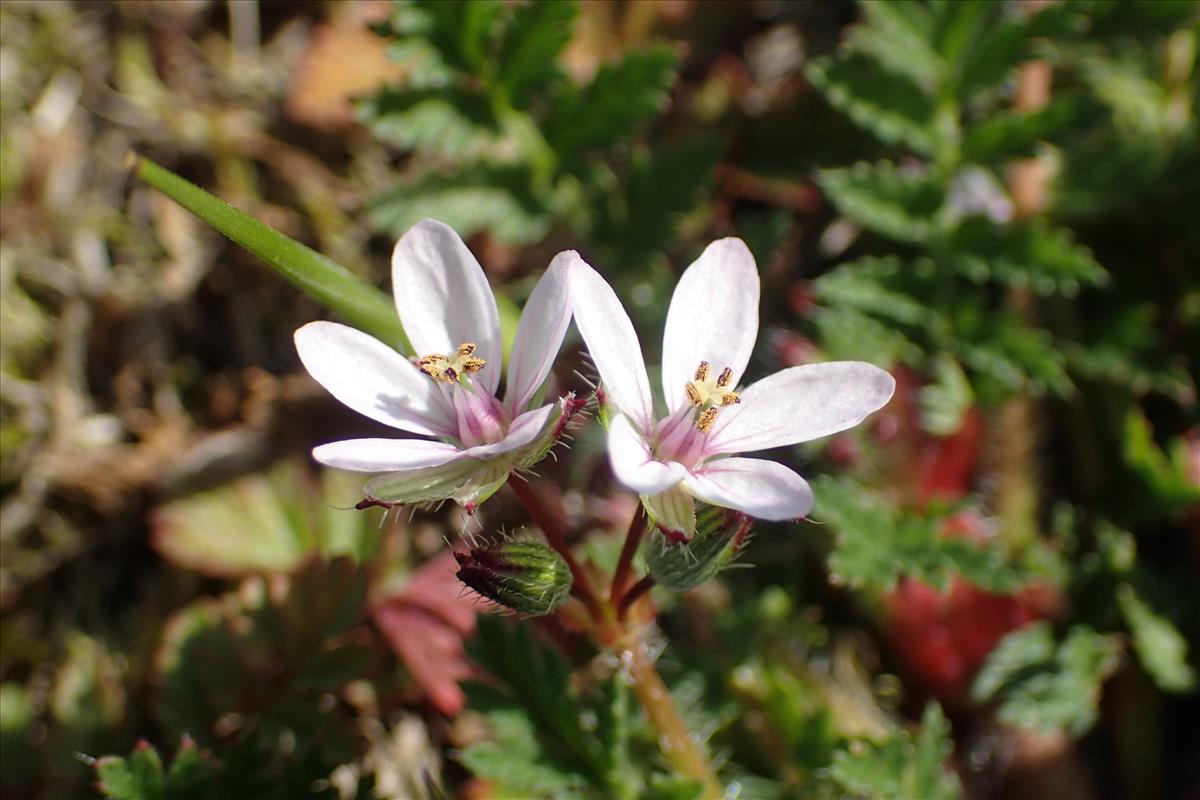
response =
{"points": [[1045, 684], [876, 544], [903, 765]]}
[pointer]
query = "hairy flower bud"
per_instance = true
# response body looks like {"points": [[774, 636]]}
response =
{"points": [[680, 566], [527, 577]]}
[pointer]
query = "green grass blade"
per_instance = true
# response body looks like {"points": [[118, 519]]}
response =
{"points": [[326, 281]]}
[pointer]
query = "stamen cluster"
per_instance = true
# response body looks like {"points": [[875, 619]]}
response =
{"points": [[448, 370], [708, 395]]}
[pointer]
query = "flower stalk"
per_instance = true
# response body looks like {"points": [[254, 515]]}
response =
{"points": [[551, 528], [637, 529]]}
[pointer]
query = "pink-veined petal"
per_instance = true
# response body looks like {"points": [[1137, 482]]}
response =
{"points": [[444, 299], [634, 464], [799, 404], [523, 431], [762, 489], [540, 333], [385, 455], [612, 343], [373, 379], [713, 317]]}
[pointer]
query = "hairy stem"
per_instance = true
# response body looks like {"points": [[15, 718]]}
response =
{"points": [[551, 527], [678, 745]]}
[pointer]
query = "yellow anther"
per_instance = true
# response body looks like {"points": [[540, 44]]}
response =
{"points": [[447, 370], [708, 395], [472, 365]]}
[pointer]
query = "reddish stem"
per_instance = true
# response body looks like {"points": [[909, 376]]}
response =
{"points": [[631, 597], [637, 529], [551, 528]]}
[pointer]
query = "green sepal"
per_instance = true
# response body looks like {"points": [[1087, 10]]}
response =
{"points": [[680, 566]]}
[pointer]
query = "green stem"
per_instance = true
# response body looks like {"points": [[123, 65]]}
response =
{"points": [[326, 281]]}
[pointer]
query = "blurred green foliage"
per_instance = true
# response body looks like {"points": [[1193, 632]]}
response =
{"points": [[160, 579]]}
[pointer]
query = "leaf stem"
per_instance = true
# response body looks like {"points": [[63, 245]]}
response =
{"points": [[551, 527]]}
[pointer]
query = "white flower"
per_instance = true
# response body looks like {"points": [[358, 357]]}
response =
{"points": [[449, 392], [710, 332]]}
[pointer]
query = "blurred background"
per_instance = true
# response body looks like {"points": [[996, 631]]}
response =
{"points": [[997, 201]]}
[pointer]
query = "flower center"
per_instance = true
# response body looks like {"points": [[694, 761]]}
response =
{"points": [[445, 369], [708, 396], [481, 418]]}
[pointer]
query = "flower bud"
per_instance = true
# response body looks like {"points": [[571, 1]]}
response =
{"points": [[527, 577], [680, 566]]}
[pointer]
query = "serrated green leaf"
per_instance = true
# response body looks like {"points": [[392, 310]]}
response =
{"points": [[892, 107], [516, 761], [225, 653], [1024, 255], [462, 31], [531, 44], [606, 112], [870, 285], [477, 198], [846, 334], [897, 203], [1006, 355], [1048, 686], [441, 120], [328, 283], [1159, 644], [138, 777], [898, 36], [1007, 43], [534, 697], [1161, 477], [903, 765], [876, 544], [1005, 134], [958, 25], [660, 185], [947, 399]]}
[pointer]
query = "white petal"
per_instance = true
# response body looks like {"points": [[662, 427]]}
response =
{"points": [[633, 463], [613, 344], [444, 298], [523, 431], [385, 455], [763, 489], [713, 317], [373, 379], [540, 333], [801, 403]]}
